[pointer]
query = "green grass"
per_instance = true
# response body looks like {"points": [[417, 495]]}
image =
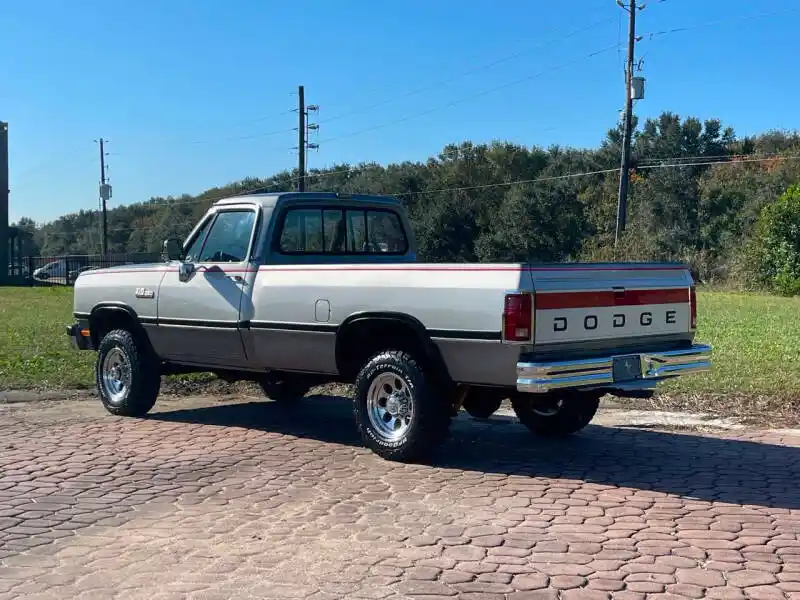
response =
{"points": [[756, 342], [34, 348]]}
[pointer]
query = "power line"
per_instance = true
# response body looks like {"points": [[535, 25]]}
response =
{"points": [[471, 96], [738, 18], [232, 138], [50, 160], [716, 157], [737, 161], [461, 74], [508, 183], [407, 94]]}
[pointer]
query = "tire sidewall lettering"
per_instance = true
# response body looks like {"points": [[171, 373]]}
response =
{"points": [[369, 375]]}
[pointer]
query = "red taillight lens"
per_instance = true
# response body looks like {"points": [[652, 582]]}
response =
{"points": [[693, 307], [518, 318]]}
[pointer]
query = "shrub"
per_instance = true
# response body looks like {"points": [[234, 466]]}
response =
{"points": [[775, 248]]}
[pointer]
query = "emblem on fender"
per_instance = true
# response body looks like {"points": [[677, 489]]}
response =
{"points": [[145, 293]]}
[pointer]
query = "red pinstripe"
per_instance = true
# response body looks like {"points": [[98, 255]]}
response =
{"points": [[403, 267]]}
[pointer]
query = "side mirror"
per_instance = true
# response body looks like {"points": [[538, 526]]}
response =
{"points": [[173, 249], [185, 271]]}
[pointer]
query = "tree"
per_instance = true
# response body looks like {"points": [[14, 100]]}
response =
{"points": [[775, 248]]}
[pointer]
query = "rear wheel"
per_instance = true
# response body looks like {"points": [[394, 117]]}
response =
{"points": [[127, 375], [554, 416], [399, 412]]}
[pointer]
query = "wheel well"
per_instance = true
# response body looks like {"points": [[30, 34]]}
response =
{"points": [[106, 319], [364, 337]]}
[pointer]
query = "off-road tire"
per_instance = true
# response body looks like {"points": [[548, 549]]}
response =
{"points": [[284, 390], [481, 406], [575, 413], [431, 414], [145, 376]]}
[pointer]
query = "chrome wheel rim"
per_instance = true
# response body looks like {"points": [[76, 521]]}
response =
{"points": [[116, 375], [389, 406], [548, 408]]}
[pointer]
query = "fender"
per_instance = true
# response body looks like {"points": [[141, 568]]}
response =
{"points": [[431, 349], [118, 308]]}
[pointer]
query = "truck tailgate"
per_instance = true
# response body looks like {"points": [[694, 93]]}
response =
{"points": [[587, 309]]}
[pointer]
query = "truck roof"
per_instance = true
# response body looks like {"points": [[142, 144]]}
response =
{"points": [[271, 199]]}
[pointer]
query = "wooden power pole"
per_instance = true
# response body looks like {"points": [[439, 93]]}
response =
{"points": [[4, 237], [102, 197], [105, 194], [624, 173], [301, 144]]}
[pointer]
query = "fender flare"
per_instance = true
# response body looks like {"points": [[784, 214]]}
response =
{"points": [[118, 307], [431, 349]]}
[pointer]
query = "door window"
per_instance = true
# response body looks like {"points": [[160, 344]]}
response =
{"points": [[229, 238], [193, 250]]}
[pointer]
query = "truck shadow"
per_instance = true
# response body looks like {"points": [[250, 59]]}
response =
{"points": [[693, 466]]}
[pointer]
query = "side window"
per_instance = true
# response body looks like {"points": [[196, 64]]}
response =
{"points": [[385, 232], [336, 231], [193, 250], [229, 238], [302, 231], [356, 231]]}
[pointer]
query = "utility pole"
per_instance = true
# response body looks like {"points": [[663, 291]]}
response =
{"points": [[105, 194], [3, 202], [303, 127], [301, 144], [624, 174]]}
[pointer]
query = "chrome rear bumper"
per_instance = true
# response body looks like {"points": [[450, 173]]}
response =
{"points": [[616, 371]]}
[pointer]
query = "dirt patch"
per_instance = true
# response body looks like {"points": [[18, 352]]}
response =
{"points": [[751, 409]]}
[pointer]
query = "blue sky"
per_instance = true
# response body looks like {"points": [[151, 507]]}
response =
{"points": [[190, 93]]}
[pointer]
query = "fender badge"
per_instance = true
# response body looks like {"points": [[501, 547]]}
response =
{"points": [[145, 293]]}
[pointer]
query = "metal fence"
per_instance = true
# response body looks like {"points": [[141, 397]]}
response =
{"points": [[64, 270]]}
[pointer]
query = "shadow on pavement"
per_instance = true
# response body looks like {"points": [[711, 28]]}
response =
{"points": [[705, 468]]}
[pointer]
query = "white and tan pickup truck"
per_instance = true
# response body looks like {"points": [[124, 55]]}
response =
{"points": [[296, 289]]}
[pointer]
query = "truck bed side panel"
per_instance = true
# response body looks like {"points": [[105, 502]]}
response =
{"points": [[297, 310]]}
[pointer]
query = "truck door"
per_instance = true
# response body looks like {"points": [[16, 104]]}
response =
{"points": [[200, 300]]}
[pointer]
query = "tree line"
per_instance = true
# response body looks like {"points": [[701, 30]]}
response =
{"points": [[728, 206]]}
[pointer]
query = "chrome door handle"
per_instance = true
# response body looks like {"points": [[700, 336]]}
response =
{"points": [[237, 278]]}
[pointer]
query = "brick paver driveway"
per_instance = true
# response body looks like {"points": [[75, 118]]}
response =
{"points": [[255, 500]]}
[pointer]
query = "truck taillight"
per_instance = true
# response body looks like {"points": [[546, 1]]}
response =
{"points": [[518, 317], [693, 307]]}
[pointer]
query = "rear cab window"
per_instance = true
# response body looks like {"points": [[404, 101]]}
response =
{"points": [[342, 231]]}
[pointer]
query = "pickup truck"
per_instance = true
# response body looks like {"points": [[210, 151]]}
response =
{"points": [[292, 290]]}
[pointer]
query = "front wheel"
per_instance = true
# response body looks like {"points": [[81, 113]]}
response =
{"points": [[398, 411], [127, 375], [555, 416]]}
